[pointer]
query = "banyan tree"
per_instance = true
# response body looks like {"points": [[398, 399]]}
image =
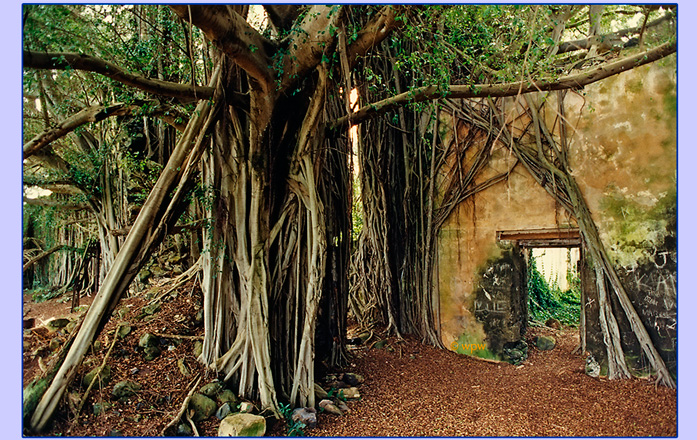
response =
{"points": [[246, 114]]}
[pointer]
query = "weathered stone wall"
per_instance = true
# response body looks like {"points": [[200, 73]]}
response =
{"points": [[623, 155]]}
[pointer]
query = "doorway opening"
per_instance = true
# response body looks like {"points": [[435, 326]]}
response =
{"points": [[553, 286]]}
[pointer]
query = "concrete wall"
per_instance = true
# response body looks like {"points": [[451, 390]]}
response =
{"points": [[623, 155]]}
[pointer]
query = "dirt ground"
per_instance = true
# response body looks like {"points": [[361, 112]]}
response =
{"points": [[410, 389]]}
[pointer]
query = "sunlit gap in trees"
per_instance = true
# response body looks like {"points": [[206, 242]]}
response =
{"points": [[555, 263]]}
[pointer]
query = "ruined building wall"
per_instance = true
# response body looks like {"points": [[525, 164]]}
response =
{"points": [[623, 155]]}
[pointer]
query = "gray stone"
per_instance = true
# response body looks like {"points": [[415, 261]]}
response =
{"points": [[350, 393], [101, 408], [307, 416], [148, 340], [211, 389], [545, 343], [183, 369], [70, 326], [55, 344], [320, 394], [329, 407], [57, 324], [223, 411], [104, 377], [228, 396], [184, 430], [246, 407], [143, 275], [553, 323], [125, 388], [151, 309], [592, 367], [150, 353], [242, 425], [341, 405], [203, 407], [380, 344], [352, 379], [198, 348], [199, 317], [124, 330]]}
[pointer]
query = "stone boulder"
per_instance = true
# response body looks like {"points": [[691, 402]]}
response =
{"points": [[203, 407], [223, 411], [125, 389], [515, 352], [329, 407], [307, 416], [320, 393], [211, 389], [57, 324], [553, 323], [545, 343], [228, 396], [104, 377], [242, 425], [350, 393]]}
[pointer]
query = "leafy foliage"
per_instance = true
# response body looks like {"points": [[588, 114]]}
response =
{"points": [[545, 301], [293, 429]]}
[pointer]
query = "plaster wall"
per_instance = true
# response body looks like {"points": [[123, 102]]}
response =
{"points": [[622, 141]]}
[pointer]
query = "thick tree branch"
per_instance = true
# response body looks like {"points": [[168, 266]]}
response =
{"points": [[373, 33], [64, 61], [309, 41], [609, 39], [235, 37], [95, 114], [282, 16], [575, 81]]}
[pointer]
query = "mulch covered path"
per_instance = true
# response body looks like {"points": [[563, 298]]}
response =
{"points": [[410, 389], [416, 390]]}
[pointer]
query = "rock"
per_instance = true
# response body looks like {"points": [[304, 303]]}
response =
{"points": [[337, 384], [515, 352], [553, 323], [364, 336], [183, 369], [143, 275], [199, 317], [380, 344], [545, 342], [203, 407], [151, 309], [124, 330], [125, 388], [97, 346], [329, 407], [184, 430], [211, 389], [57, 324], [340, 404], [198, 348], [104, 377], [350, 393], [223, 411], [55, 344], [115, 433], [242, 425], [148, 340], [70, 326], [308, 416], [592, 367], [228, 396], [101, 407], [246, 407], [320, 394], [150, 353], [157, 271], [352, 379], [122, 312]]}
